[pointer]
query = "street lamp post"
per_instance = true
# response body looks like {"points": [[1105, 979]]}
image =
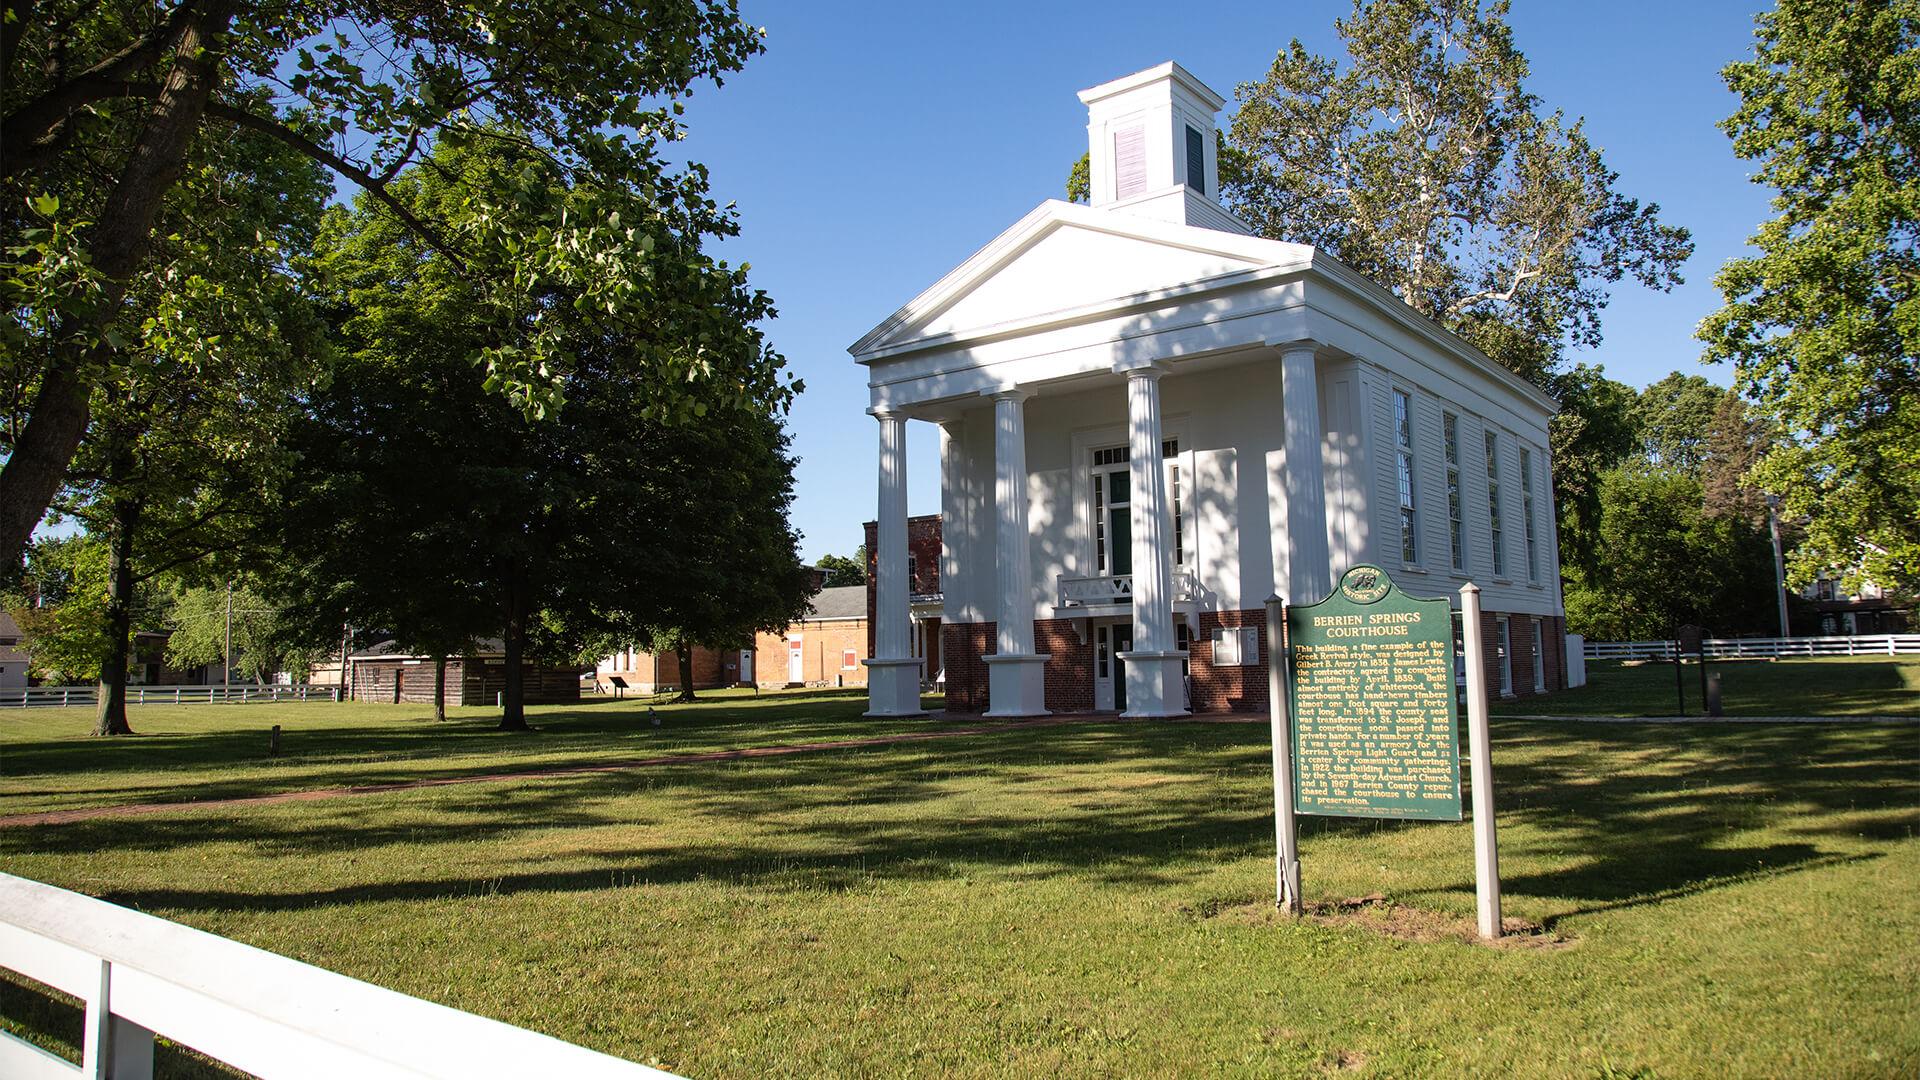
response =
{"points": [[1779, 562]]}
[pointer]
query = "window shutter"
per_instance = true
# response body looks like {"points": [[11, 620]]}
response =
{"points": [[1129, 162], [1196, 161]]}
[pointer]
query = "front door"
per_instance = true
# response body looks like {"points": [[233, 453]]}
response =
{"points": [[796, 667], [1109, 671], [746, 667]]}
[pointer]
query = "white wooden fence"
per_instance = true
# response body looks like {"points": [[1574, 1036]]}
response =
{"points": [[255, 1010], [1734, 648], [249, 693]]}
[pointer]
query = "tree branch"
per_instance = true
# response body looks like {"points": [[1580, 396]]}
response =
{"points": [[32, 130], [372, 184]]}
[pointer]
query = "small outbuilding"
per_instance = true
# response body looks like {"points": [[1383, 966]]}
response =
{"points": [[385, 672]]}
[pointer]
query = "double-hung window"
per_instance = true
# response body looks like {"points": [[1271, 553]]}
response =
{"points": [[1409, 510], [1456, 523], [1526, 514], [1493, 503]]}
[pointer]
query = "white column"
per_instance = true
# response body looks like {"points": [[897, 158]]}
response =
{"points": [[1155, 683], [1016, 675], [1309, 575], [893, 683]]}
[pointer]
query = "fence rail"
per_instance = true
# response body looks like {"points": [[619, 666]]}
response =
{"points": [[263, 1013], [1735, 648], [52, 696]]}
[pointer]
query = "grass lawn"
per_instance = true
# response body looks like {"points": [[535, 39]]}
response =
{"points": [[187, 752], [1825, 686], [1084, 900]]}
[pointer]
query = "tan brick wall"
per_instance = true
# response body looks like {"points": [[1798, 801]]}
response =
{"points": [[823, 648]]}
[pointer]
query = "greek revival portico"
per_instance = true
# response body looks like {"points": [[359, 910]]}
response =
{"points": [[1149, 420]]}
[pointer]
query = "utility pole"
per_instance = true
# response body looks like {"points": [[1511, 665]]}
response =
{"points": [[1779, 562]]}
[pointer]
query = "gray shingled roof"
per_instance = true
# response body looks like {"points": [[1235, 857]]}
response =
{"points": [[840, 602]]}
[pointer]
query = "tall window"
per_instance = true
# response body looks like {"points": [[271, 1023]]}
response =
{"points": [[1112, 511], [1170, 451], [1526, 514], [1409, 513], [1196, 161], [1456, 526], [1113, 507], [1493, 502]]}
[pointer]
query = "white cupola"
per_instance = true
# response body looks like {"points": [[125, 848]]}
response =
{"points": [[1152, 149]]}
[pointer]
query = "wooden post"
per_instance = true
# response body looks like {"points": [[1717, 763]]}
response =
{"points": [[1286, 871], [1486, 853]]}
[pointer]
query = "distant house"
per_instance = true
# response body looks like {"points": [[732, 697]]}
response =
{"points": [[385, 672], [13, 660], [823, 649], [1869, 611]]}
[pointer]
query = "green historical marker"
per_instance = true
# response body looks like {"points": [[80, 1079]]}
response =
{"points": [[1375, 726]]}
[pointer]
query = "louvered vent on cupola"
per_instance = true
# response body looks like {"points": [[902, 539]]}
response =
{"points": [[1129, 162], [1150, 148]]}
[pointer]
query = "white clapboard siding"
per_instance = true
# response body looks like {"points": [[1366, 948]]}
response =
{"points": [[258, 1011]]}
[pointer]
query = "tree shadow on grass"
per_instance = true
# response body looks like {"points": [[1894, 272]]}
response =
{"points": [[1632, 815]]}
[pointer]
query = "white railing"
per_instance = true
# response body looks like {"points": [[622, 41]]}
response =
{"points": [[33, 696], [1735, 648], [255, 1010], [1118, 589]]}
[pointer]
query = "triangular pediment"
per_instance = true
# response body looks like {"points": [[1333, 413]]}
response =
{"points": [[1064, 258]]}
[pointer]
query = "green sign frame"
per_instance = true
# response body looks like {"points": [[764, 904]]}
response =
{"points": [[1371, 712]]}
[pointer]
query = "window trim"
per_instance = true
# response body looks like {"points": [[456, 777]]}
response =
{"points": [[1456, 491], [1406, 477], [1496, 530], [1526, 514]]}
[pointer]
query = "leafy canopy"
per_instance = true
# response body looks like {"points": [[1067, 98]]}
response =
{"points": [[1424, 163], [1823, 325]]}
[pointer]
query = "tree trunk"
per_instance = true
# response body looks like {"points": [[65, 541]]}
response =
{"points": [[685, 655], [112, 717], [440, 687], [120, 240], [513, 714]]}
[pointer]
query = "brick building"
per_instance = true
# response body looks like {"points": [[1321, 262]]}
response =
{"points": [[923, 593], [823, 649]]}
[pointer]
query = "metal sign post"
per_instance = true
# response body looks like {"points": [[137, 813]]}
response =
{"points": [[1287, 866], [1486, 854]]}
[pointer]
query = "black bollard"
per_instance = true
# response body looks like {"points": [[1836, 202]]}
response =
{"points": [[273, 741], [1713, 695]]}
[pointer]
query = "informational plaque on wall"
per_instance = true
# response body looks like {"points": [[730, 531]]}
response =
{"points": [[1371, 703]]}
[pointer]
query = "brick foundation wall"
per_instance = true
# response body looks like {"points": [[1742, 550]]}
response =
{"points": [[1069, 675], [1227, 689], [1521, 659], [962, 645]]}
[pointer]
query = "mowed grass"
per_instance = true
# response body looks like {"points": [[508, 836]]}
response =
{"points": [[198, 752], [1823, 686], [1083, 900]]}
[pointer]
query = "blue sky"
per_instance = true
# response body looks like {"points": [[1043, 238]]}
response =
{"points": [[876, 145]]}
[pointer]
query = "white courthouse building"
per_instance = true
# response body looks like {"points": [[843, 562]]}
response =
{"points": [[1150, 420]]}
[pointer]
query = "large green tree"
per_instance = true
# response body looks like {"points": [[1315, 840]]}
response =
{"points": [[1424, 162], [1823, 324], [1674, 416], [541, 532], [106, 104], [1663, 562], [1594, 433]]}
